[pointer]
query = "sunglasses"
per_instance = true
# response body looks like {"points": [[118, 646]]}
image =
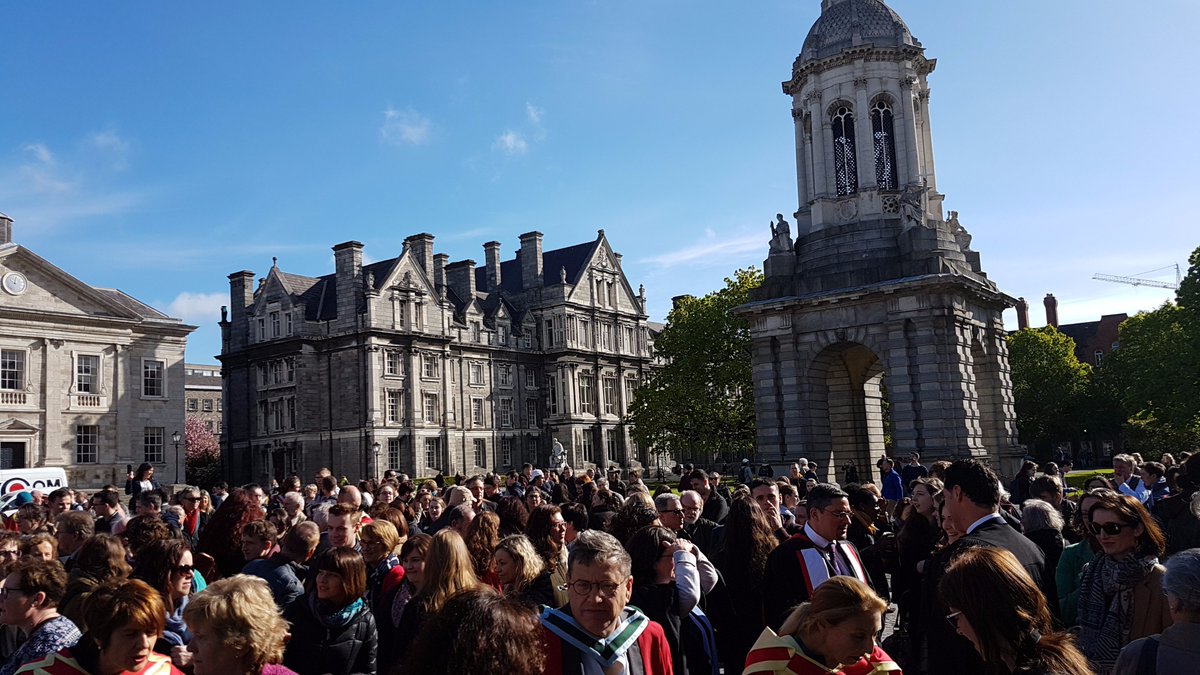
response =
{"points": [[1111, 529], [183, 569], [952, 619]]}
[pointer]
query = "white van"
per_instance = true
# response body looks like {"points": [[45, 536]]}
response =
{"points": [[12, 481]]}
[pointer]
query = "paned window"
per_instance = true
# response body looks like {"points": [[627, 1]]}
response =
{"points": [[393, 456], [477, 412], [12, 369], [475, 373], [276, 325], [193, 405], [587, 401], [551, 395], [208, 405], [883, 129], [504, 374], [394, 410], [431, 408], [845, 167], [87, 374], [610, 443], [152, 445], [87, 443], [480, 452], [531, 378], [291, 413], [631, 385], [391, 362], [506, 447], [433, 450], [506, 412], [429, 365], [586, 451], [610, 395], [531, 414], [154, 379]]}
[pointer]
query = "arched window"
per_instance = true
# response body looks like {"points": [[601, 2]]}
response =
{"points": [[845, 168], [883, 130]]}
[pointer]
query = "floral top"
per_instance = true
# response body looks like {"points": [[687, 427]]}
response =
{"points": [[48, 637]]}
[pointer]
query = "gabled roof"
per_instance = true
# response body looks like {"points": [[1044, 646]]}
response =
{"points": [[132, 304], [574, 258]]}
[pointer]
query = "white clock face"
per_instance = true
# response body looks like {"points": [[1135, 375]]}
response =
{"points": [[15, 283]]}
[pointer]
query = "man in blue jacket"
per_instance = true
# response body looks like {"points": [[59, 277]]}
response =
{"points": [[893, 488]]}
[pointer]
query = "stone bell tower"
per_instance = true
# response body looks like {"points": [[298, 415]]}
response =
{"points": [[879, 296]]}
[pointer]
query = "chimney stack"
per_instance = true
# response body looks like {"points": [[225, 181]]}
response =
{"points": [[6, 229], [421, 246], [460, 277], [347, 263], [439, 269], [1051, 310], [531, 260], [491, 252], [241, 296], [1022, 314]]}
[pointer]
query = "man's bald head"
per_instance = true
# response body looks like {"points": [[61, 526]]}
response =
{"points": [[350, 495]]}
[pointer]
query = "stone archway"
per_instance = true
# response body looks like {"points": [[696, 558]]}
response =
{"points": [[845, 409]]}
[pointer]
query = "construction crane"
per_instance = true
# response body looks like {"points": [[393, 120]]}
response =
{"points": [[1138, 280]]}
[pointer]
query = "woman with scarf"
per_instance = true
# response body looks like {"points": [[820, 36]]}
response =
{"points": [[994, 604], [380, 541], [447, 570], [1075, 557], [167, 565], [333, 630], [831, 634], [1120, 594]]}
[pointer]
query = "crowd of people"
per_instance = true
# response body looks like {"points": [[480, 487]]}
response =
{"points": [[557, 572]]}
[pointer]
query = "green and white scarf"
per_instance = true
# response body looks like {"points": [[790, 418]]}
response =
{"points": [[606, 651]]}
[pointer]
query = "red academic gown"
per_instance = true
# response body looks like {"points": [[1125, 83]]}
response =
{"points": [[777, 655]]}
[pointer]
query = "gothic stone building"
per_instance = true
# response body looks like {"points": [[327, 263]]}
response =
{"points": [[90, 379], [880, 293], [422, 365]]}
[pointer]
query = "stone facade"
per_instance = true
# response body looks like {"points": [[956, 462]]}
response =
{"points": [[880, 294], [202, 385], [90, 379], [422, 365]]}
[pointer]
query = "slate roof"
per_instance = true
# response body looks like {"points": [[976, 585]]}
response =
{"points": [[133, 304]]}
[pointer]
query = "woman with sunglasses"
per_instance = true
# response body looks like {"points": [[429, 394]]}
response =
{"points": [[167, 565], [1120, 594], [994, 604]]}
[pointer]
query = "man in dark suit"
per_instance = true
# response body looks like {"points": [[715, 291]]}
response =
{"points": [[807, 559], [973, 501]]}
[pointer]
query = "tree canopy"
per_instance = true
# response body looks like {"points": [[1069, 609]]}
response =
{"points": [[700, 405], [1050, 386]]}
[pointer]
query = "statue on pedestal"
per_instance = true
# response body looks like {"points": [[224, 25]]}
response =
{"points": [[781, 236]]}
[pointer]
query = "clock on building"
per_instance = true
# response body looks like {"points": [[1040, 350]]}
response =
{"points": [[14, 283]]}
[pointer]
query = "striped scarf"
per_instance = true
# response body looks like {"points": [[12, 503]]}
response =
{"points": [[605, 651], [1106, 606]]}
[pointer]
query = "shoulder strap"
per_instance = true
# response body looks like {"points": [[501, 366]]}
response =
{"points": [[1148, 658]]}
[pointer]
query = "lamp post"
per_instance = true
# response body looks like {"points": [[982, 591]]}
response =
{"points": [[175, 438], [376, 447]]}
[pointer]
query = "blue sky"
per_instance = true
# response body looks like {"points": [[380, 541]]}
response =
{"points": [[158, 147]]}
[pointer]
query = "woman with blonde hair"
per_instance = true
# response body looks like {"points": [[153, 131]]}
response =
{"points": [[380, 543], [448, 570], [831, 634], [236, 629], [519, 571], [994, 604]]}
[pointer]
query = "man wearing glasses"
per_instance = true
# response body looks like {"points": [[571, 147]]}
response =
{"points": [[596, 632], [810, 558]]}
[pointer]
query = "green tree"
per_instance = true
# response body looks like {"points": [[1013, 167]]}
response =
{"points": [[700, 405], [1050, 386]]}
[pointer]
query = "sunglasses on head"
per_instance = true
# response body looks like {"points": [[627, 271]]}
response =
{"points": [[1111, 529]]}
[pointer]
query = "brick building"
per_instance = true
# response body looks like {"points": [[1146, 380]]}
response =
{"points": [[423, 365], [90, 378], [1094, 340]]}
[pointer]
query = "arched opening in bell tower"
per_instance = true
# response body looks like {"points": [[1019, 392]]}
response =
{"points": [[847, 410]]}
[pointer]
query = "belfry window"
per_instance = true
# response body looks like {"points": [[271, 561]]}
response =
{"points": [[883, 130], [845, 168]]}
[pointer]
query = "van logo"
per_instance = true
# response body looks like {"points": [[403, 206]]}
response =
{"points": [[20, 484]]}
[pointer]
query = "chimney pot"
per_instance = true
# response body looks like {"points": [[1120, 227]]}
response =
{"points": [[1022, 314], [531, 260], [1051, 304], [491, 251]]}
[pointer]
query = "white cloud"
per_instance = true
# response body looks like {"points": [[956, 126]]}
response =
{"points": [[405, 127], [534, 114], [40, 152], [197, 308], [113, 146], [711, 249], [511, 143]]}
